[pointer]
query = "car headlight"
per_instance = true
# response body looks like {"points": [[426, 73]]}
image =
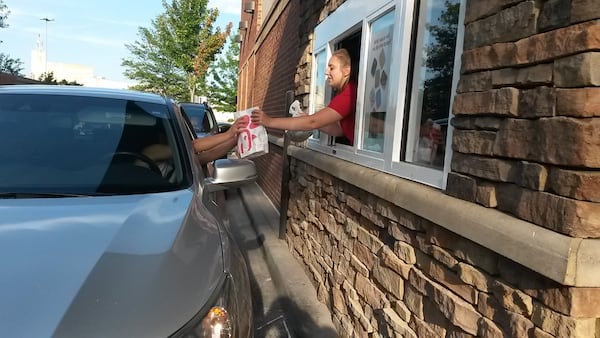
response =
{"points": [[216, 323], [218, 319]]}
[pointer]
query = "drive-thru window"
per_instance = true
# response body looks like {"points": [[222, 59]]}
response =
{"points": [[403, 54]]}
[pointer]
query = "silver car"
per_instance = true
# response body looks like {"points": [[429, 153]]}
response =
{"points": [[108, 224]]}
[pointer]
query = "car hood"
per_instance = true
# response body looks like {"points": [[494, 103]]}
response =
{"points": [[136, 266]]}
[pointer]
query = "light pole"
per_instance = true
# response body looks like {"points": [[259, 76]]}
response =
{"points": [[46, 45]]}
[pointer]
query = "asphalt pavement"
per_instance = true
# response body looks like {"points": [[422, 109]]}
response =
{"points": [[284, 300]]}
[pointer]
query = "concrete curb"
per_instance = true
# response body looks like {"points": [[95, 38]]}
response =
{"points": [[311, 318]]}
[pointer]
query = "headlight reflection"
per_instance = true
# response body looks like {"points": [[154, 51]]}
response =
{"points": [[216, 324]]}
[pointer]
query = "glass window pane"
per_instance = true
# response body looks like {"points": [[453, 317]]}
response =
{"points": [[320, 87], [432, 82], [321, 82], [376, 82], [90, 145]]}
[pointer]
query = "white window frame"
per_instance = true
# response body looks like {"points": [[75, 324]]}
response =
{"points": [[326, 143], [369, 158], [318, 137], [351, 16]]}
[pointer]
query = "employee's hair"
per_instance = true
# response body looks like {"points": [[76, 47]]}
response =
{"points": [[342, 55]]}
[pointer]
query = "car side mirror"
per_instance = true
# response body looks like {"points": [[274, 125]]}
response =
{"points": [[230, 173]]}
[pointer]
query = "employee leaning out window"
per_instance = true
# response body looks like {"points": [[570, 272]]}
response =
{"points": [[337, 119]]}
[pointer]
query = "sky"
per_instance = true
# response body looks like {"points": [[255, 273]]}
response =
{"points": [[89, 32]]}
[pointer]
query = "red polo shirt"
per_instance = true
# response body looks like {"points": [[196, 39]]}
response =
{"points": [[344, 103]]}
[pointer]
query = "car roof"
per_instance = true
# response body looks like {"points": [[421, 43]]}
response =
{"points": [[195, 105], [83, 91]]}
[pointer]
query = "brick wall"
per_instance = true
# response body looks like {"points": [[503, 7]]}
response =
{"points": [[274, 58], [269, 179], [527, 137], [384, 271]]}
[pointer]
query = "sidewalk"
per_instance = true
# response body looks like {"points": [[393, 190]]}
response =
{"points": [[306, 315]]}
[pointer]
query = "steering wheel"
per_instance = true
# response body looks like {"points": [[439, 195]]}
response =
{"points": [[151, 164]]}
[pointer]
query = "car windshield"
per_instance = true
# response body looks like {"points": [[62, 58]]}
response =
{"points": [[78, 145]]}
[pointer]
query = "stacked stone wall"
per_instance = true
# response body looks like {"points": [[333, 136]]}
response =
{"points": [[527, 113], [386, 272], [526, 141]]}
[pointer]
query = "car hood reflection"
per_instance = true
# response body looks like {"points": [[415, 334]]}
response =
{"points": [[136, 266]]}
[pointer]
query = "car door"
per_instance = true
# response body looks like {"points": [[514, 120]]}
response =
{"points": [[214, 201]]}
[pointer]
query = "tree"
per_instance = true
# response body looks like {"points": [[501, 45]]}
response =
{"points": [[8, 64], [440, 62], [48, 78], [174, 54], [3, 15], [222, 89], [151, 68]]}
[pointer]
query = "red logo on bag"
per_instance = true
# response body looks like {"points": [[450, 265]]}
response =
{"points": [[246, 136]]}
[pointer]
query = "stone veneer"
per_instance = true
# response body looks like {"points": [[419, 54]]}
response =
{"points": [[527, 113], [526, 142], [385, 271]]}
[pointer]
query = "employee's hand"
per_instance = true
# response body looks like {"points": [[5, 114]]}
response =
{"points": [[260, 117]]}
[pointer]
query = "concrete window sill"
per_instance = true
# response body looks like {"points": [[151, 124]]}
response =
{"points": [[567, 260]]}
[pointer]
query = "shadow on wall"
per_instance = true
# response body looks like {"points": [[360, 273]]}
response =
{"points": [[277, 67], [300, 19]]}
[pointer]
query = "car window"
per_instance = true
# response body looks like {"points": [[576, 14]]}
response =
{"points": [[87, 145], [189, 129], [200, 118]]}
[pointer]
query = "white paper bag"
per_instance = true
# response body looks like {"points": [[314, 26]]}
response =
{"points": [[253, 140]]}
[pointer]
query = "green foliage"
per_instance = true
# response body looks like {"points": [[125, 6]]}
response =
{"points": [[151, 68], [440, 55], [222, 90], [3, 15], [173, 55], [48, 78], [8, 64], [440, 62]]}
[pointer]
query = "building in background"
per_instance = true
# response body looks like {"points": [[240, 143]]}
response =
{"points": [[82, 74]]}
